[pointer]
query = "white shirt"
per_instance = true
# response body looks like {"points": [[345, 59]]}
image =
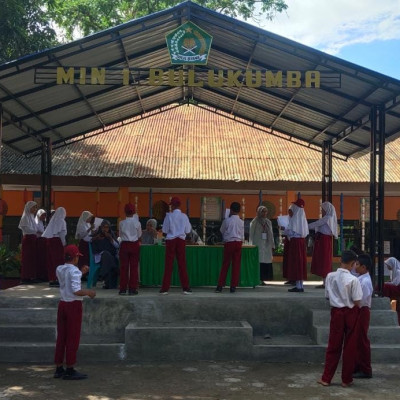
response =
{"points": [[176, 225], [322, 227], [367, 289], [342, 288], [69, 277], [232, 229], [130, 230]]}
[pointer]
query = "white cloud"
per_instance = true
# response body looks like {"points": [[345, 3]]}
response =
{"points": [[329, 25]]}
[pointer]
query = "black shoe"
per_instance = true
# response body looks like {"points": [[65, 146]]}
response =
{"points": [[296, 290], [232, 289], [73, 375], [187, 291], [60, 371], [362, 375], [122, 292], [133, 292], [106, 287], [218, 289], [54, 284]]}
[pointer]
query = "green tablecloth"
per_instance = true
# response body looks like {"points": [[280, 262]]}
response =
{"points": [[203, 264]]}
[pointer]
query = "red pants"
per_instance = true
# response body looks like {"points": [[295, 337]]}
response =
{"points": [[342, 335], [175, 247], [363, 362], [29, 257], [129, 265], [55, 256], [232, 253], [69, 321]]}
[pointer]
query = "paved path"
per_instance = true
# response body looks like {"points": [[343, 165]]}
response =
{"points": [[192, 381]]}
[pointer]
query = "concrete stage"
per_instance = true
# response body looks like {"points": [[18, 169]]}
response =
{"points": [[266, 323]]}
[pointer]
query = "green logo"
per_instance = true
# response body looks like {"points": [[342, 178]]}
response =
{"points": [[188, 44]]}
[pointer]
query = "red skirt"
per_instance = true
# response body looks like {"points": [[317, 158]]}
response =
{"points": [[297, 260], [321, 263], [286, 245], [55, 256], [391, 291], [84, 249], [42, 272], [29, 257]]}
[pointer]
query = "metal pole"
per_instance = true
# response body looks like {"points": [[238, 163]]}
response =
{"points": [[381, 196], [372, 194], [341, 224]]}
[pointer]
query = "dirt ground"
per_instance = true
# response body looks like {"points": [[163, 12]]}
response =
{"points": [[192, 381]]}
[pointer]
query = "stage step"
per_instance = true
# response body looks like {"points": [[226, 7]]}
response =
{"points": [[189, 340], [19, 333], [37, 316], [34, 352]]}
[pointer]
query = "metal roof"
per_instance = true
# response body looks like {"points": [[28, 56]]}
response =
{"points": [[339, 112]]}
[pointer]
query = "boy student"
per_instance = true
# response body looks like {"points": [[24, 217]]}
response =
{"points": [[363, 361], [69, 316], [130, 232], [232, 230], [176, 226], [344, 293]]}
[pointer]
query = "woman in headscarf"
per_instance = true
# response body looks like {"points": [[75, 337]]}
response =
{"points": [[392, 289], [150, 233], [261, 235], [105, 249], [28, 227], [55, 234], [296, 233], [40, 220], [84, 231], [325, 229]]}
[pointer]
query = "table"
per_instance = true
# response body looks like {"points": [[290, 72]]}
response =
{"points": [[203, 265]]}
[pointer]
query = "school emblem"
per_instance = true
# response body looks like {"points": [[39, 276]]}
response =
{"points": [[188, 44]]}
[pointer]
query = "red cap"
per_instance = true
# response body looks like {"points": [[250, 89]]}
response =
{"points": [[175, 201], [129, 208], [71, 251], [299, 203]]}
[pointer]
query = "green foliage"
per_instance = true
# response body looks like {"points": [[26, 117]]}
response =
{"points": [[24, 28], [89, 16], [10, 262]]}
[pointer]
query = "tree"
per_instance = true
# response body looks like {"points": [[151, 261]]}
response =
{"points": [[24, 28], [89, 16]]}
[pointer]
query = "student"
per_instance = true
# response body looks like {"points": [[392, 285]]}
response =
{"points": [[232, 230], [325, 229], [130, 232], [69, 316], [363, 367], [149, 235], [176, 226], [296, 233], [28, 227], [392, 289], [344, 293], [55, 234], [84, 231]]}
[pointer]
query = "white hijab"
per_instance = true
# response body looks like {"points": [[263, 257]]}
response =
{"points": [[394, 265], [298, 222], [27, 222], [57, 225], [39, 222], [83, 226], [329, 218]]}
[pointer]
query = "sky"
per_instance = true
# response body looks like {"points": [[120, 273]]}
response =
{"points": [[364, 32]]}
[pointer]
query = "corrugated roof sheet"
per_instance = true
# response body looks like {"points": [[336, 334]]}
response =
{"points": [[190, 142], [341, 114]]}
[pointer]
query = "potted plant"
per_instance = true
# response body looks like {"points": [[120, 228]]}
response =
{"points": [[10, 266]]}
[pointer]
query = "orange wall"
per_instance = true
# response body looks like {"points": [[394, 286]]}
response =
{"points": [[111, 204]]}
